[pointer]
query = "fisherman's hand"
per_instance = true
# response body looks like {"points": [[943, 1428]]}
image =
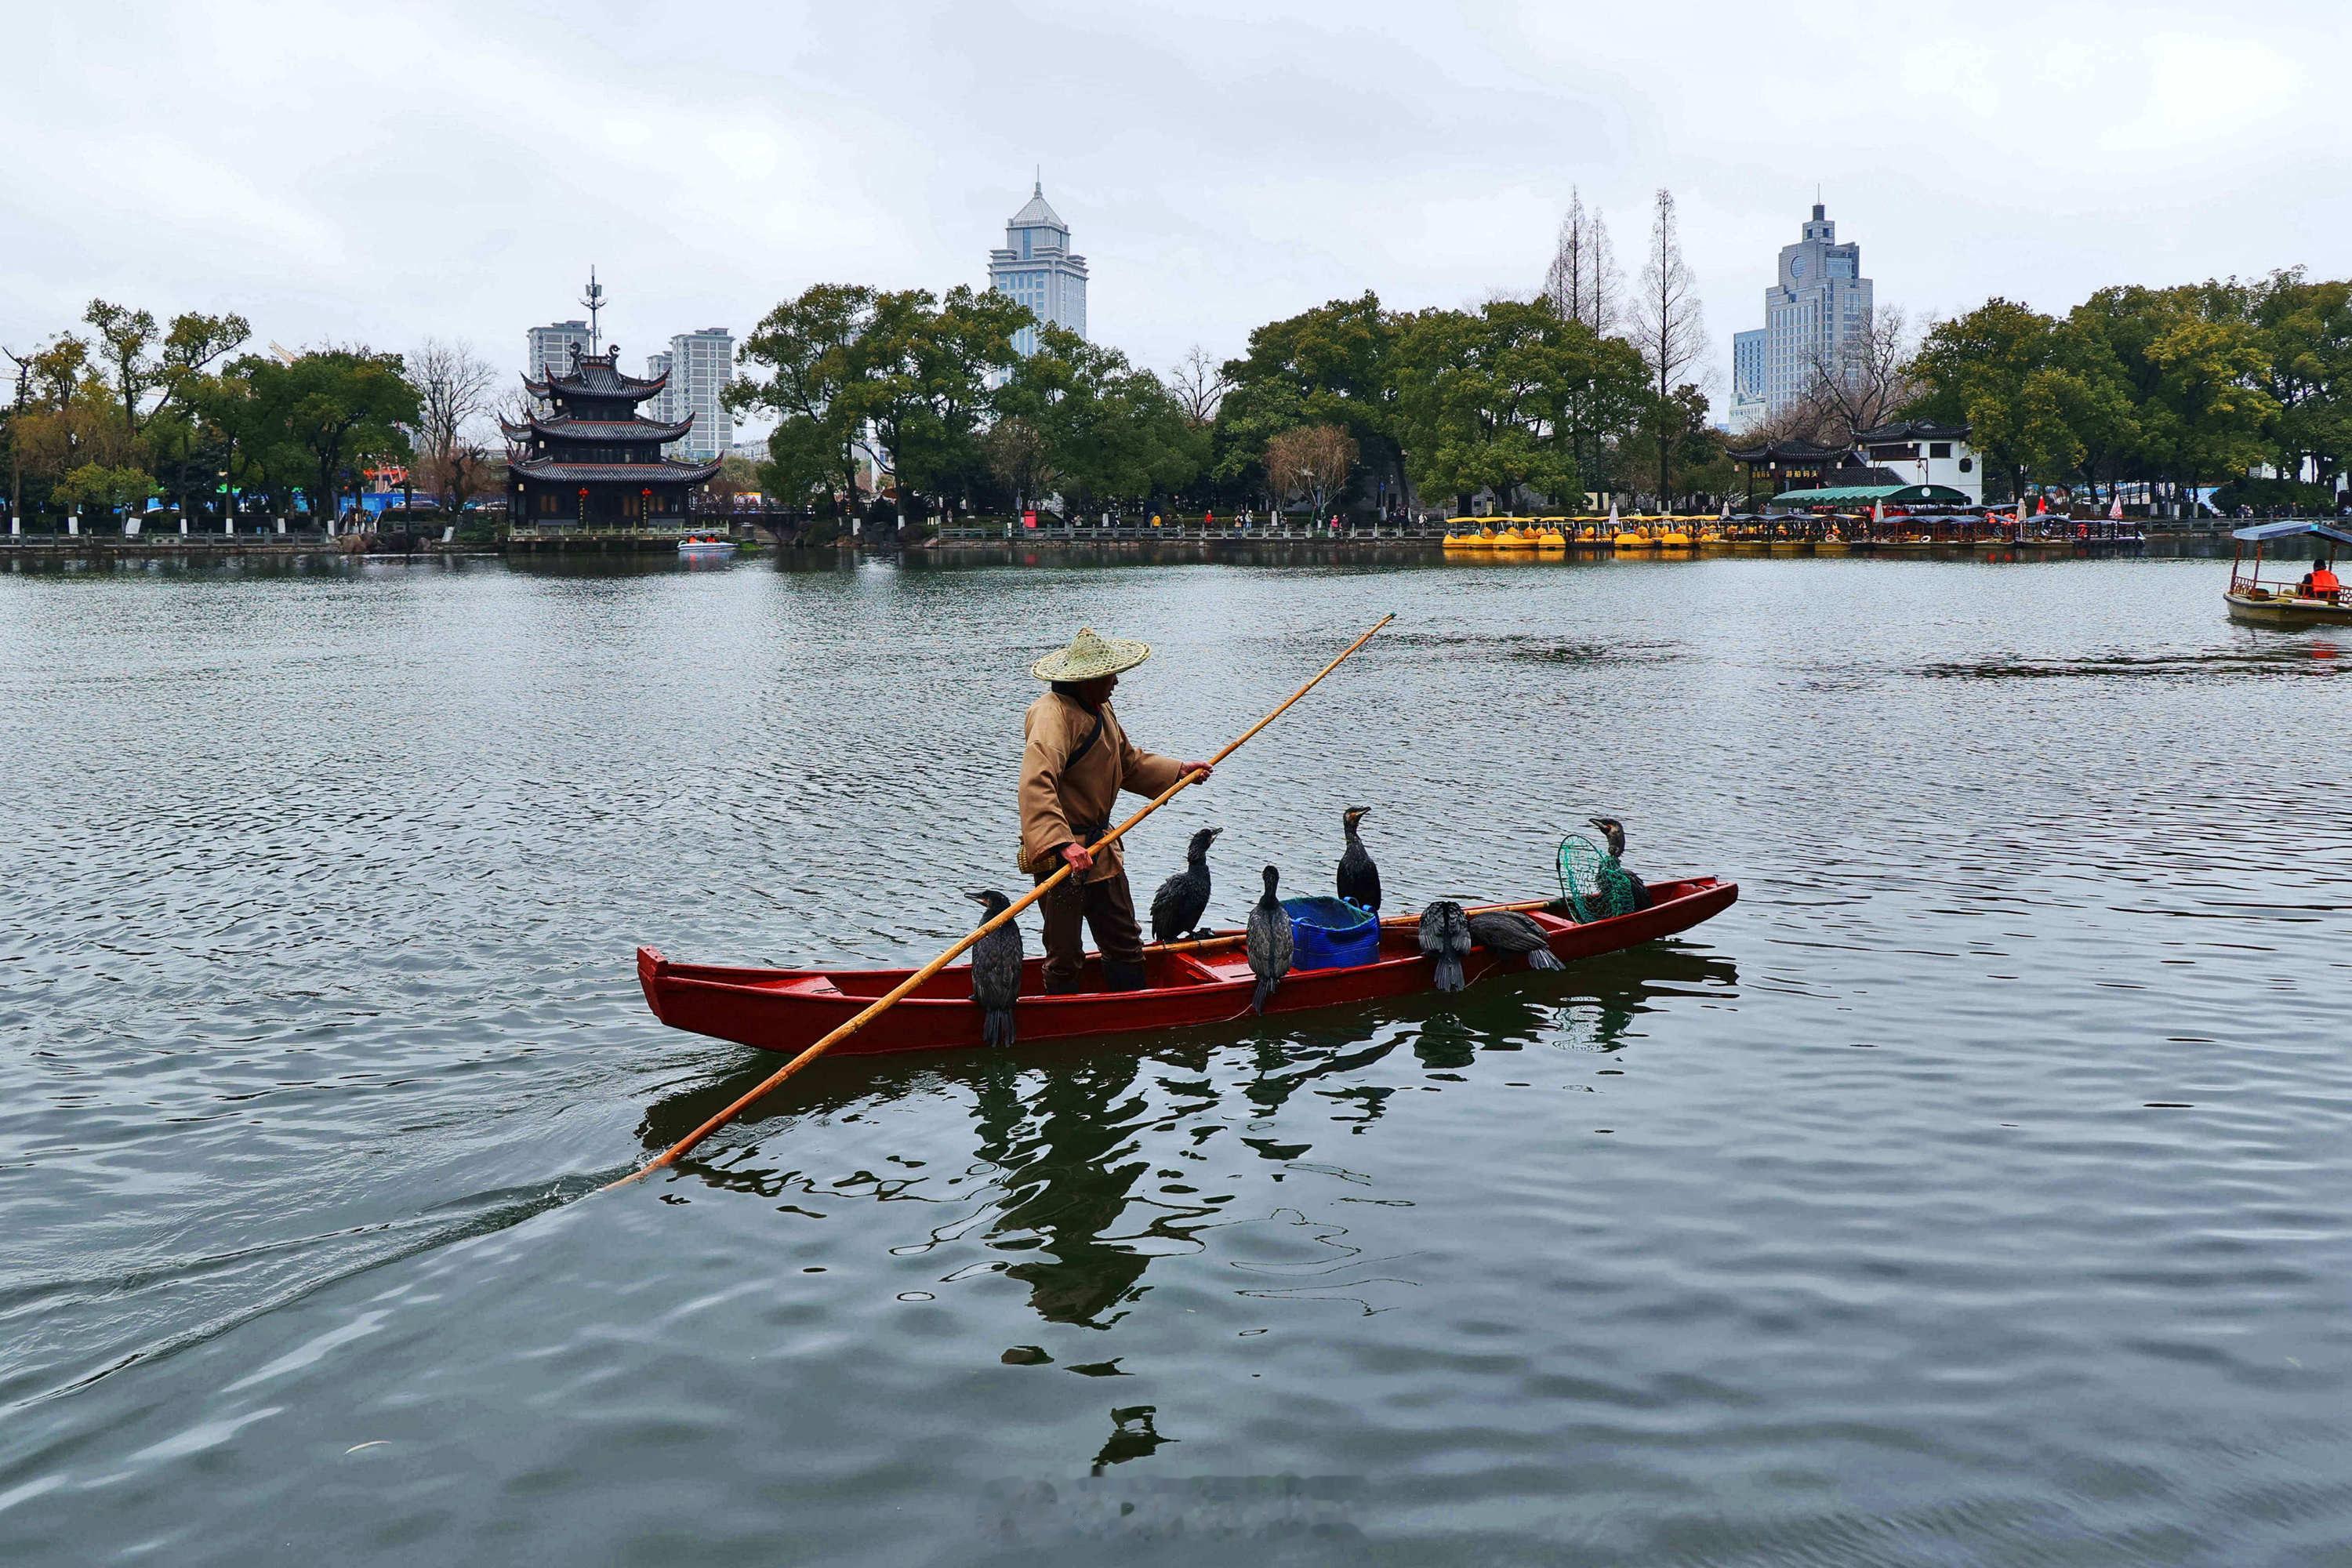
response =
{"points": [[1200, 768], [1080, 858]]}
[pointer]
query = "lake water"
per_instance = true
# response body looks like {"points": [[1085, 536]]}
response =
{"points": [[1972, 1192]]}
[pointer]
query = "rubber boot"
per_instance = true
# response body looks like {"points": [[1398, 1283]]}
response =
{"points": [[1123, 976]]}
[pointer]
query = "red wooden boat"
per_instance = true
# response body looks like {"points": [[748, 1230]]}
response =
{"points": [[1206, 982]]}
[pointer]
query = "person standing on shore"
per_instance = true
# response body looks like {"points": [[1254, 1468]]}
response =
{"points": [[1074, 761]]}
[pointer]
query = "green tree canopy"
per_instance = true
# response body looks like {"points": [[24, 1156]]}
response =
{"points": [[339, 408], [1330, 365], [1108, 430], [1492, 399], [810, 351]]}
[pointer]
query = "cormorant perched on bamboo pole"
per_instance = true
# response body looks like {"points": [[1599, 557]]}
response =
{"points": [[1629, 890], [1269, 942], [1360, 879], [1445, 939], [1184, 899], [996, 970], [1508, 930]]}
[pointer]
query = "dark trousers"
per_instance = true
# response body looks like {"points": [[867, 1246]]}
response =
{"points": [[1109, 908]]}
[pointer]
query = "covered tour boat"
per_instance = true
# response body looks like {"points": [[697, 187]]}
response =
{"points": [[2283, 602], [1188, 984]]}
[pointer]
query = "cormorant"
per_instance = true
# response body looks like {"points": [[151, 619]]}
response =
{"points": [[1624, 886], [1268, 942], [1360, 879], [1184, 899], [1508, 930], [996, 970], [1445, 937]]}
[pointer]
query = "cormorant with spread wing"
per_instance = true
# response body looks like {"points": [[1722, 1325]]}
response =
{"points": [[996, 970], [1269, 942], [1184, 899], [1360, 879], [1508, 930], [1445, 939]]}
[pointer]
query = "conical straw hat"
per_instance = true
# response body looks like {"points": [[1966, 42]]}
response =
{"points": [[1090, 658]]}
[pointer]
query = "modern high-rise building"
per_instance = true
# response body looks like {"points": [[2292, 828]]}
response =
{"points": [[664, 404], [1747, 409], [1036, 268], [700, 365], [1816, 318], [551, 348]]}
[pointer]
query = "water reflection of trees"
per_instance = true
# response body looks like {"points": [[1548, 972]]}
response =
{"points": [[1070, 1133]]}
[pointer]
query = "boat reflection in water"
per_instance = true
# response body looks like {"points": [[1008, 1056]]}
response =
{"points": [[1064, 1135]]}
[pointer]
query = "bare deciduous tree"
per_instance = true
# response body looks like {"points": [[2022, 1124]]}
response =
{"points": [[1802, 419], [1861, 381], [1668, 327], [1200, 384], [1582, 281], [467, 471], [453, 386], [1314, 460]]}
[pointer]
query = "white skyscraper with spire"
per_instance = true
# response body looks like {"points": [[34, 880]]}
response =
{"points": [[1036, 268]]}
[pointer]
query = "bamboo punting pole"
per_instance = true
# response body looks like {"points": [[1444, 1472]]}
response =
{"points": [[883, 1003]]}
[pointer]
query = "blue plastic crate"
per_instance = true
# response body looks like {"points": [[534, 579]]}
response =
{"points": [[1331, 934]]}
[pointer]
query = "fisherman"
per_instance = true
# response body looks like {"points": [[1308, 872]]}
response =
{"points": [[1076, 760]]}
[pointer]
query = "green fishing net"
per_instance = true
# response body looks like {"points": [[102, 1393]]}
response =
{"points": [[1592, 883]]}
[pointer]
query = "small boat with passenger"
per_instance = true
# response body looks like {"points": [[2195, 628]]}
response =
{"points": [[2314, 599], [695, 547], [1187, 983]]}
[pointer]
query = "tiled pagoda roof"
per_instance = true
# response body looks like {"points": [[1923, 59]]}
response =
{"points": [[1790, 451], [596, 376], [562, 428], [555, 470], [1914, 430]]}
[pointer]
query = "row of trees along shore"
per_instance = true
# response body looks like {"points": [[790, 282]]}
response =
{"points": [[1589, 385], [1583, 387], [128, 409], [2162, 390]]}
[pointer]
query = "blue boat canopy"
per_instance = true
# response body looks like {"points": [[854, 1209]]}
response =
{"points": [[2289, 530]]}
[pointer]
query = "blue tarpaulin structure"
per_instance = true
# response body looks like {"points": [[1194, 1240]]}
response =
{"points": [[2257, 532]]}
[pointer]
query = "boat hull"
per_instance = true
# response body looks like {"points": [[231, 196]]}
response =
{"points": [[1188, 985], [2283, 612]]}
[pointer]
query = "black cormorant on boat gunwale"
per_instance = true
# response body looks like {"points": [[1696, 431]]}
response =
{"points": [[1445, 939], [1508, 930], [1184, 899], [1268, 942], [1360, 879], [996, 970], [1633, 890]]}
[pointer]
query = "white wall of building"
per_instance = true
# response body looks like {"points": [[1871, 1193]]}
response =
{"points": [[549, 348], [700, 366]]}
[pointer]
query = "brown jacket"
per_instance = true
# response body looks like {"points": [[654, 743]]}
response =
{"points": [[1059, 802]]}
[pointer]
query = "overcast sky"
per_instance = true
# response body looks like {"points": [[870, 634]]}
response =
{"points": [[381, 172]]}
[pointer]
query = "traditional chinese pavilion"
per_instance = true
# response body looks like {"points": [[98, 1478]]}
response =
{"points": [[595, 462]]}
